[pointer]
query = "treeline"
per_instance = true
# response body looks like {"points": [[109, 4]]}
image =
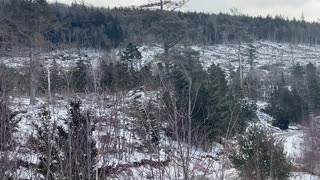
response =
{"points": [[78, 25]]}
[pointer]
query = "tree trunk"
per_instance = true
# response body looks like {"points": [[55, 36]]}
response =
{"points": [[161, 5], [240, 63], [32, 79], [49, 83]]}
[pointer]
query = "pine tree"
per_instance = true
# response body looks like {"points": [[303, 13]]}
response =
{"points": [[188, 79], [235, 85], [286, 106], [218, 102], [66, 153], [80, 77], [246, 113], [132, 56], [121, 76], [82, 160], [313, 87], [298, 78], [251, 53], [43, 80], [56, 80], [46, 147], [146, 77], [260, 156], [107, 80]]}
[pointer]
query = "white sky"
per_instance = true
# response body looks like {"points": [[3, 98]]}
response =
{"points": [[287, 8]]}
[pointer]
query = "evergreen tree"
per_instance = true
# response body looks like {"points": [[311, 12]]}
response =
{"points": [[188, 78], [313, 88], [235, 85], [251, 53], [66, 153], [44, 144], [80, 76], [43, 80], [146, 77], [298, 79], [278, 104], [218, 102], [121, 76], [260, 156], [132, 56], [83, 146], [245, 110], [107, 79], [286, 106], [55, 76], [114, 31]]}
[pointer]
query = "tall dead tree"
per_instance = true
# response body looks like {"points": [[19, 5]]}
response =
{"points": [[30, 26], [240, 35]]}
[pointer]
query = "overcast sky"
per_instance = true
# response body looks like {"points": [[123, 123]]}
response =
{"points": [[287, 8]]}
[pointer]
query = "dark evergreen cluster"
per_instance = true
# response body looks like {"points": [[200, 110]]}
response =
{"points": [[293, 100], [203, 98], [78, 25], [70, 152]]}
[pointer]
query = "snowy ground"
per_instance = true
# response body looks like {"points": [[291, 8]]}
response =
{"points": [[131, 146], [226, 55], [203, 164]]}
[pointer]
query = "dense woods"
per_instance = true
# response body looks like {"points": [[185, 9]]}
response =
{"points": [[81, 26]]}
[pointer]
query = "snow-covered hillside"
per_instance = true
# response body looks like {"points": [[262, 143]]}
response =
{"points": [[131, 158], [226, 55], [268, 53], [126, 152]]}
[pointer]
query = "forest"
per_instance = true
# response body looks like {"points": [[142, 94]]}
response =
{"points": [[151, 92]]}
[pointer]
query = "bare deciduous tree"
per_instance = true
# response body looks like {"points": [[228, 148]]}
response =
{"points": [[311, 152]]}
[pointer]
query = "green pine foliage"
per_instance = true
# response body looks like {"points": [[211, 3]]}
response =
{"points": [[286, 106], [105, 28], [260, 156], [80, 77], [219, 114], [66, 152], [214, 111], [56, 78], [313, 88], [132, 56]]}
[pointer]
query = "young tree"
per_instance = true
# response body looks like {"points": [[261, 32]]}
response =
{"points": [[66, 153], [298, 73], [260, 156], [218, 103], [80, 77], [132, 56], [55, 77], [107, 79]]}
